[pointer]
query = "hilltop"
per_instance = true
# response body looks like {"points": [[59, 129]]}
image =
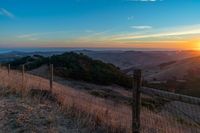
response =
{"points": [[75, 66]]}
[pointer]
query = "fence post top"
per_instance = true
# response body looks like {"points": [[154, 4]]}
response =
{"points": [[137, 72]]}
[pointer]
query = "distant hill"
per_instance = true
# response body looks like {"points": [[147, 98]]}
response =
{"points": [[77, 66], [180, 76], [177, 69], [127, 60]]}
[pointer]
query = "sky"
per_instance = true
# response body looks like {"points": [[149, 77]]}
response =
{"points": [[162, 24]]}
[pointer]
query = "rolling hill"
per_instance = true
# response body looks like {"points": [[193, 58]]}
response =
{"points": [[180, 70], [127, 60], [178, 76], [75, 66]]}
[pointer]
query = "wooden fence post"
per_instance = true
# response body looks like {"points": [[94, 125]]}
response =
{"points": [[8, 69], [51, 77], [23, 75], [136, 101]]}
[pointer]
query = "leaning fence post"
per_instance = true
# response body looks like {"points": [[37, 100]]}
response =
{"points": [[136, 101], [8, 69], [51, 77]]}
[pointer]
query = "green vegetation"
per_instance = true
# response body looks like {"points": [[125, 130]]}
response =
{"points": [[79, 67], [30, 62]]}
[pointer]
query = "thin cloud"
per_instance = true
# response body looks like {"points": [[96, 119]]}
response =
{"points": [[89, 31], [156, 41], [39, 34], [26, 35], [31, 37], [130, 17], [93, 36], [143, 0], [4, 12], [142, 27], [184, 31]]}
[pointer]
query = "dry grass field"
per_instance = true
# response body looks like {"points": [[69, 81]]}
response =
{"points": [[36, 114], [114, 117]]}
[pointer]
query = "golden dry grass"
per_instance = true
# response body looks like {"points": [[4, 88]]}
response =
{"points": [[104, 112]]}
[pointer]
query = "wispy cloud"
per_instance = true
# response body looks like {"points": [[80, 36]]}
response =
{"points": [[89, 31], [6, 13], [130, 17], [26, 35], [162, 33], [91, 35], [143, 0], [142, 27], [35, 36], [94, 35], [31, 37]]}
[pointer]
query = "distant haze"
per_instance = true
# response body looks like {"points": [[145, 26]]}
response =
{"points": [[7, 50]]}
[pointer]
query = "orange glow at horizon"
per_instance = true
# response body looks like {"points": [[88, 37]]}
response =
{"points": [[187, 45], [184, 44]]}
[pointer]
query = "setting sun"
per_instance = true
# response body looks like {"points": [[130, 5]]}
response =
{"points": [[192, 44], [197, 45]]}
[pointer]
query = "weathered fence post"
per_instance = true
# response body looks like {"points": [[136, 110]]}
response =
{"points": [[51, 77], [8, 69], [23, 75], [136, 101]]}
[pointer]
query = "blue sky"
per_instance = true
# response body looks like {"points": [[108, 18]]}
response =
{"points": [[100, 23]]}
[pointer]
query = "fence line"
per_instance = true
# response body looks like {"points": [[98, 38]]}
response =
{"points": [[138, 112], [170, 95], [68, 97]]}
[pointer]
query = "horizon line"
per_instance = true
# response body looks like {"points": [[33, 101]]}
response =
{"points": [[97, 48]]}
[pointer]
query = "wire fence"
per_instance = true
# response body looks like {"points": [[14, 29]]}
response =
{"points": [[169, 112], [116, 117], [152, 111]]}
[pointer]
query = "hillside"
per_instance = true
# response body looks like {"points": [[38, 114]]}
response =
{"points": [[179, 76], [97, 113], [138, 59], [180, 70], [78, 67], [122, 59]]}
